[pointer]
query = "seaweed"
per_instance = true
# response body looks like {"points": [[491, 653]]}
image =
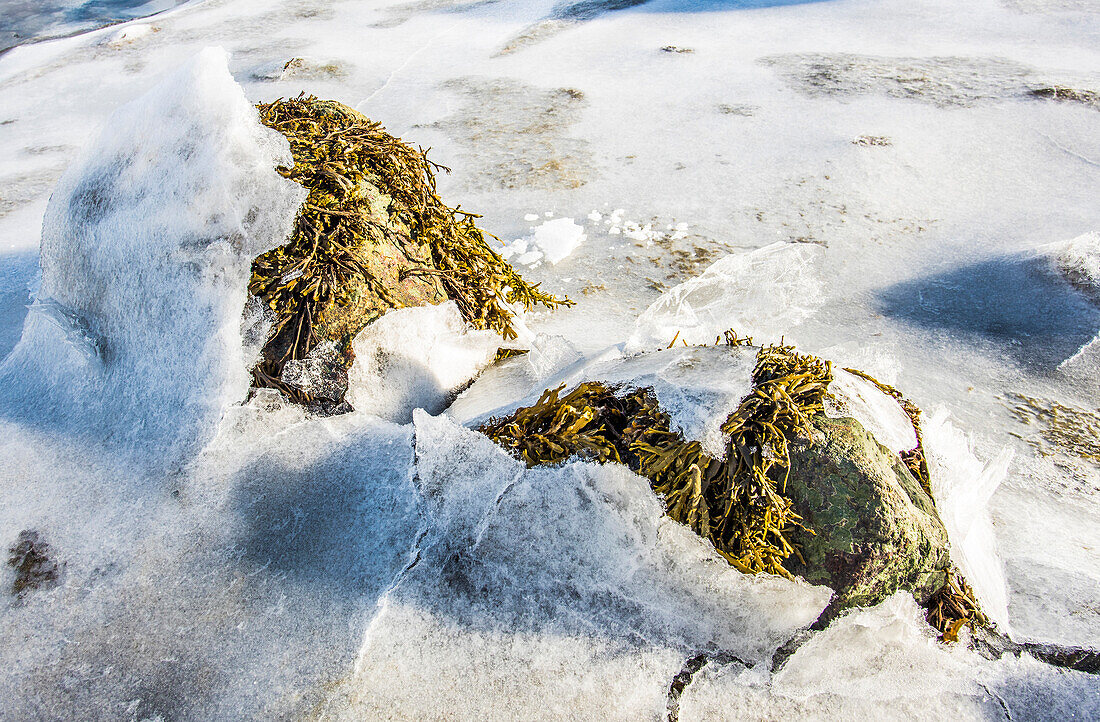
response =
{"points": [[31, 558], [954, 606], [737, 503], [372, 208]]}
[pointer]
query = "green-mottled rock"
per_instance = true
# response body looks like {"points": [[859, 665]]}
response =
{"points": [[876, 530]]}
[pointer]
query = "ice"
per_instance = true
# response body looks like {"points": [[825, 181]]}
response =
{"points": [[878, 412], [414, 358], [1078, 260], [884, 663], [552, 240], [146, 248], [763, 293], [565, 591], [962, 486]]}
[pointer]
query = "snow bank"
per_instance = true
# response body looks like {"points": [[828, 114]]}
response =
{"points": [[553, 241], [414, 358], [146, 249], [762, 293]]}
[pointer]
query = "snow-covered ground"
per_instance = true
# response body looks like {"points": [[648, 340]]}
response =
{"points": [[929, 182]]}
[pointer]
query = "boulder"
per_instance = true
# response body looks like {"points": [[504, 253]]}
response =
{"points": [[875, 530], [372, 236]]}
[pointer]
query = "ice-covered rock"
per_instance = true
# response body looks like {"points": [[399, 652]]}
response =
{"points": [[146, 248], [761, 293]]}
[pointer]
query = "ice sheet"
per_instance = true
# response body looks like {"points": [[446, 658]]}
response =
{"points": [[146, 249], [764, 293]]}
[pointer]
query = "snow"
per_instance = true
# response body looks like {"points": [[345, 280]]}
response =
{"points": [[259, 563], [552, 240]]}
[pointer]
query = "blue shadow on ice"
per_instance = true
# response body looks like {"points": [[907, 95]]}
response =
{"points": [[709, 6], [1013, 303]]}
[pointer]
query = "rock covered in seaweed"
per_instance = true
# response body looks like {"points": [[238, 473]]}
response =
{"points": [[794, 492], [372, 236]]}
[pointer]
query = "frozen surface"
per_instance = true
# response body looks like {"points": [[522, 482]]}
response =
{"points": [[553, 241], [565, 591], [763, 293], [884, 663], [416, 358], [912, 156], [879, 413], [146, 249]]}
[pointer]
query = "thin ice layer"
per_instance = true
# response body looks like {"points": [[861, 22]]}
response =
{"points": [[558, 591], [698, 387], [146, 249], [762, 293], [885, 663], [416, 358], [879, 413], [962, 486]]}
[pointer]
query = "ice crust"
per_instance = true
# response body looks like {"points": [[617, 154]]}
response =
{"points": [[763, 293], [416, 358], [146, 248], [248, 581]]}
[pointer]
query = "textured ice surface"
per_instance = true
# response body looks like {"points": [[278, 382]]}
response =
{"points": [[884, 663], [146, 249], [561, 592], [962, 486], [879, 413], [414, 358], [763, 293]]}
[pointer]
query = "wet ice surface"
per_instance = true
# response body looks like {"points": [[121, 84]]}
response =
{"points": [[300, 567]]}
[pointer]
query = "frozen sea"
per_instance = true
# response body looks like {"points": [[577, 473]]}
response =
{"points": [[900, 186]]}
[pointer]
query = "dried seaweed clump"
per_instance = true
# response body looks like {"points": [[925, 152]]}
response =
{"points": [[954, 606], [372, 235], [737, 503], [30, 556]]}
